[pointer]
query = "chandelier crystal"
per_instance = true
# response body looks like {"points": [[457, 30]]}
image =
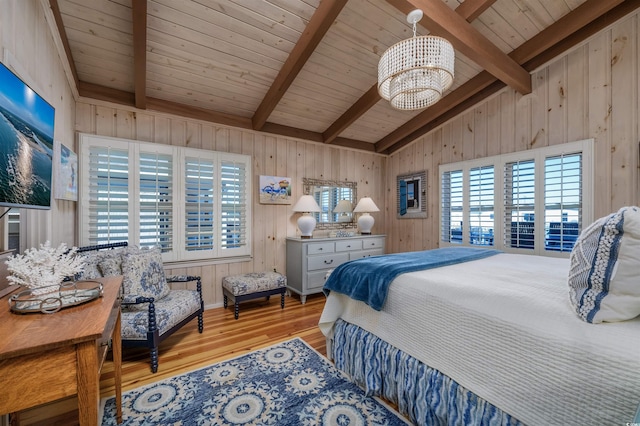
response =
{"points": [[413, 73]]}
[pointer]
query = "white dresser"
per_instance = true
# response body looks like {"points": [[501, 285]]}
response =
{"points": [[309, 260]]}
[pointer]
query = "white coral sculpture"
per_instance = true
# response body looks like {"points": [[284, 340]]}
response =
{"points": [[39, 268]]}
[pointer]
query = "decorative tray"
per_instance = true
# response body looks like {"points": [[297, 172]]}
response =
{"points": [[65, 295]]}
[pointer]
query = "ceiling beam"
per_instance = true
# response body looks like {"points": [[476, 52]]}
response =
{"points": [[362, 105], [107, 94], [444, 22], [576, 26], [454, 98], [139, 18], [65, 41], [469, 10], [320, 22]]}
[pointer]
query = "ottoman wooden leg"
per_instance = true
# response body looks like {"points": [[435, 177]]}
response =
{"points": [[225, 301], [236, 310], [282, 300]]}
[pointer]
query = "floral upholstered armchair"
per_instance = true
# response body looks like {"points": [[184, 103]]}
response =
{"points": [[151, 310]]}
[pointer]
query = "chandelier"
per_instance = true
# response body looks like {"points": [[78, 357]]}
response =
{"points": [[413, 73]]}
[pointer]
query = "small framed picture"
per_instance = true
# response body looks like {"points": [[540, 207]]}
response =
{"points": [[275, 190], [66, 173]]}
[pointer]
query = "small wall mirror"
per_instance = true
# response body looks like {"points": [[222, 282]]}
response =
{"points": [[336, 199]]}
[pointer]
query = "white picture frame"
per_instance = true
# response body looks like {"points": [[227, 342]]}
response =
{"points": [[66, 172]]}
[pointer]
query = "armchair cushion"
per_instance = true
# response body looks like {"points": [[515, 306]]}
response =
{"points": [[144, 275], [170, 310]]}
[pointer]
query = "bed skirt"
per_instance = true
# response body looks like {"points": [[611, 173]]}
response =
{"points": [[421, 393]]}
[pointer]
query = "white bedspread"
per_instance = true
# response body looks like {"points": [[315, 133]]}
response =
{"points": [[503, 328]]}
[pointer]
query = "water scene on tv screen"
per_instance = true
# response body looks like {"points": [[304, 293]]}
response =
{"points": [[26, 144]]}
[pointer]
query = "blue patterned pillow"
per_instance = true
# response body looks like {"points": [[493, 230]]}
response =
{"points": [[604, 281], [143, 274]]}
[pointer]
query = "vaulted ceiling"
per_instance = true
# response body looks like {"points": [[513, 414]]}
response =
{"points": [[308, 68]]}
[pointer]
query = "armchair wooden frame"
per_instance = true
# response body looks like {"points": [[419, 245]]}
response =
{"points": [[154, 338]]}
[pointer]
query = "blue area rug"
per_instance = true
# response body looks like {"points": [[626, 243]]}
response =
{"points": [[286, 384]]}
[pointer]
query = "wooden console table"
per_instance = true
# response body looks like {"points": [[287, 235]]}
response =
{"points": [[45, 357]]}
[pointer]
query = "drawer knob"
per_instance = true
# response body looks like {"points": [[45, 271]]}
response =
{"points": [[349, 246], [329, 262], [320, 249]]}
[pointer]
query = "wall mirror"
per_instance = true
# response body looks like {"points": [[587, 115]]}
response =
{"points": [[336, 200]]}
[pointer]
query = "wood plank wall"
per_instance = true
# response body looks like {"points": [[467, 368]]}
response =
{"points": [[590, 92], [271, 155], [27, 46]]}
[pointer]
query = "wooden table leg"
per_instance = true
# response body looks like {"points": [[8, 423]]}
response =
{"points": [[88, 380], [116, 350]]}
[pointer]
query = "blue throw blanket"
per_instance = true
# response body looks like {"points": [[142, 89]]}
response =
{"points": [[368, 279]]}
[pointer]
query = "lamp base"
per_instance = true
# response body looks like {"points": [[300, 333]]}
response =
{"points": [[306, 224], [305, 237], [365, 223]]}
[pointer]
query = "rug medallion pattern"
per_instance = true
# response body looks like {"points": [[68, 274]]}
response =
{"points": [[286, 384]]}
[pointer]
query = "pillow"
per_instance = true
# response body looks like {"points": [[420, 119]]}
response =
{"points": [[90, 269], [604, 282], [143, 274], [111, 265]]}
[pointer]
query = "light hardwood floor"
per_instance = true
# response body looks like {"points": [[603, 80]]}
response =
{"points": [[260, 324]]}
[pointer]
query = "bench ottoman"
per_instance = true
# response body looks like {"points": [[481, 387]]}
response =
{"points": [[251, 286]]}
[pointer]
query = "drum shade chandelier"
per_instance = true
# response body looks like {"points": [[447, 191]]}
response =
{"points": [[413, 73]]}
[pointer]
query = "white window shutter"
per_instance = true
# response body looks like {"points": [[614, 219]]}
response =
{"points": [[234, 207], [562, 201], [156, 193], [108, 195], [481, 205], [519, 204], [199, 204]]}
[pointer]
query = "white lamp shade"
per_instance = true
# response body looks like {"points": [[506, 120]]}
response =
{"points": [[306, 223], [343, 206], [306, 204], [366, 205]]}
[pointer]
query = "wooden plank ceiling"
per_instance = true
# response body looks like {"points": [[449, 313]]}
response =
{"points": [[307, 68]]}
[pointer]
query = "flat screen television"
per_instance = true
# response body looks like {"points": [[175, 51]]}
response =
{"points": [[26, 144]]}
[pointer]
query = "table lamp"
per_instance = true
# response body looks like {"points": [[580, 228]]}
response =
{"points": [[343, 207], [365, 221], [306, 223]]}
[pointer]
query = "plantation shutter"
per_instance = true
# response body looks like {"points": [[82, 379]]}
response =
{"points": [[452, 198], [562, 201], [519, 204], [481, 205], [156, 200], [199, 204], [233, 204], [108, 198], [403, 197], [323, 198]]}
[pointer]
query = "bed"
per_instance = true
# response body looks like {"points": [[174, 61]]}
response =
{"points": [[487, 341]]}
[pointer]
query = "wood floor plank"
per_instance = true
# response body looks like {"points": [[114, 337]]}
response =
{"points": [[260, 324]]}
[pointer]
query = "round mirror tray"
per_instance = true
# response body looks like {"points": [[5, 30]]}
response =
{"points": [[65, 295]]}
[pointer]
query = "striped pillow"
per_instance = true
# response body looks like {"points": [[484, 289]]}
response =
{"points": [[604, 280]]}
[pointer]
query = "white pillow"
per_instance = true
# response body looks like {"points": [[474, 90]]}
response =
{"points": [[604, 277]]}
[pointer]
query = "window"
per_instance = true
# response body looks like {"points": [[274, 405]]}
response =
{"points": [[412, 192], [537, 203], [192, 204]]}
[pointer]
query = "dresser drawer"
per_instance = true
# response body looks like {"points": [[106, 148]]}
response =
{"points": [[319, 248], [315, 280], [348, 245], [373, 243], [326, 262], [365, 253]]}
